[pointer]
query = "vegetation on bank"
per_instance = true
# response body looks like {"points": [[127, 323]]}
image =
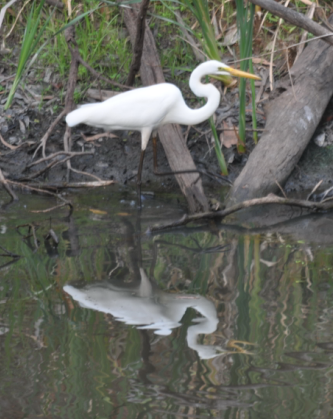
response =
{"points": [[34, 44]]}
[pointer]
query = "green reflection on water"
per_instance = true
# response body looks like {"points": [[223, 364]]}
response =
{"points": [[272, 295]]}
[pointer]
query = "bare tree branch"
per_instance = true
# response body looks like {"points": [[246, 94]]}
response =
{"points": [[295, 18], [138, 45]]}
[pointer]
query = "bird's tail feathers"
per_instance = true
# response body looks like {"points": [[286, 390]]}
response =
{"points": [[78, 116]]}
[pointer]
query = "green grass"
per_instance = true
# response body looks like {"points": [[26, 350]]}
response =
{"points": [[31, 38], [101, 43]]}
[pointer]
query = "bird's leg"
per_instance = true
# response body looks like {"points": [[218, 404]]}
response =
{"points": [[154, 139], [138, 182]]}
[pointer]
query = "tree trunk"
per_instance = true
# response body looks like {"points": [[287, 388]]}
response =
{"points": [[291, 121], [175, 148]]}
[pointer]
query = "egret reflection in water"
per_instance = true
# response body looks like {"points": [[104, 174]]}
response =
{"points": [[147, 307]]}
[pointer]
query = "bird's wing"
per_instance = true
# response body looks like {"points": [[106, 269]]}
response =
{"points": [[135, 109]]}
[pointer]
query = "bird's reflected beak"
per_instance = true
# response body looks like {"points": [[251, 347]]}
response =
{"points": [[239, 73]]}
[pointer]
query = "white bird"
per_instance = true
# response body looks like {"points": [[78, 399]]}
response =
{"points": [[147, 108], [149, 308]]}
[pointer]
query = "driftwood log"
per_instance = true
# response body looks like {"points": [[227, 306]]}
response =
{"points": [[292, 119], [171, 137], [295, 18]]}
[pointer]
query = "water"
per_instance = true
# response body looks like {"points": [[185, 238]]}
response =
{"points": [[200, 322]]}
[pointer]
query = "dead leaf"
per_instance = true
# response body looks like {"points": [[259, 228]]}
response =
{"points": [[262, 61], [228, 136], [268, 263], [231, 37], [99, 212]]}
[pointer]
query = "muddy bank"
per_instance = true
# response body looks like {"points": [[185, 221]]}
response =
{"points": [[117, 159]]}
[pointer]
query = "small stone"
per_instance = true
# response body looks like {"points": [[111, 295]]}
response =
{"points": [[26, 120], [47, 77], [320, 139], [12, 140], [22, 126]]}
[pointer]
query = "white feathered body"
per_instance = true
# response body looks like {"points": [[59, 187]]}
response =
{"points": [[149, 106]]}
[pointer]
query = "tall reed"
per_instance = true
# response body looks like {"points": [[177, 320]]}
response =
{"points": [[245, 16]]}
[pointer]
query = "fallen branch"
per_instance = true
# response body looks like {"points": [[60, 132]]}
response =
{"points": [[96, 184], [295, 18], [268, 200], [30, 188], [291, 119]]}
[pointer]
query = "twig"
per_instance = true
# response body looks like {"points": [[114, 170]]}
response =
{"points": [[50, 209], [309, 14], [12, 147], [98, 136], [7, 187], [268, 200], [273, 47], [281, 189], [75, 185], [17, 18], [323, 195], [9, 254], [86, 174], [52, 235], [289, 73], [30, 188], [196, 51], [99, 75], [58, 153], [264, 76], [52, 164], [33, 228], [314, 190], [48, 133]]}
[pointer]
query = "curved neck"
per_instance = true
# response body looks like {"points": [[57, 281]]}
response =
{"points": [[196, 116]]}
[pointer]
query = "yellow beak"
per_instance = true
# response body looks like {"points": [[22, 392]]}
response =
{"points": [[239, 73]]}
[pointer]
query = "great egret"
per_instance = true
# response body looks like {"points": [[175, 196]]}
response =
{"points": [[147, 108], [147, 307]]}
